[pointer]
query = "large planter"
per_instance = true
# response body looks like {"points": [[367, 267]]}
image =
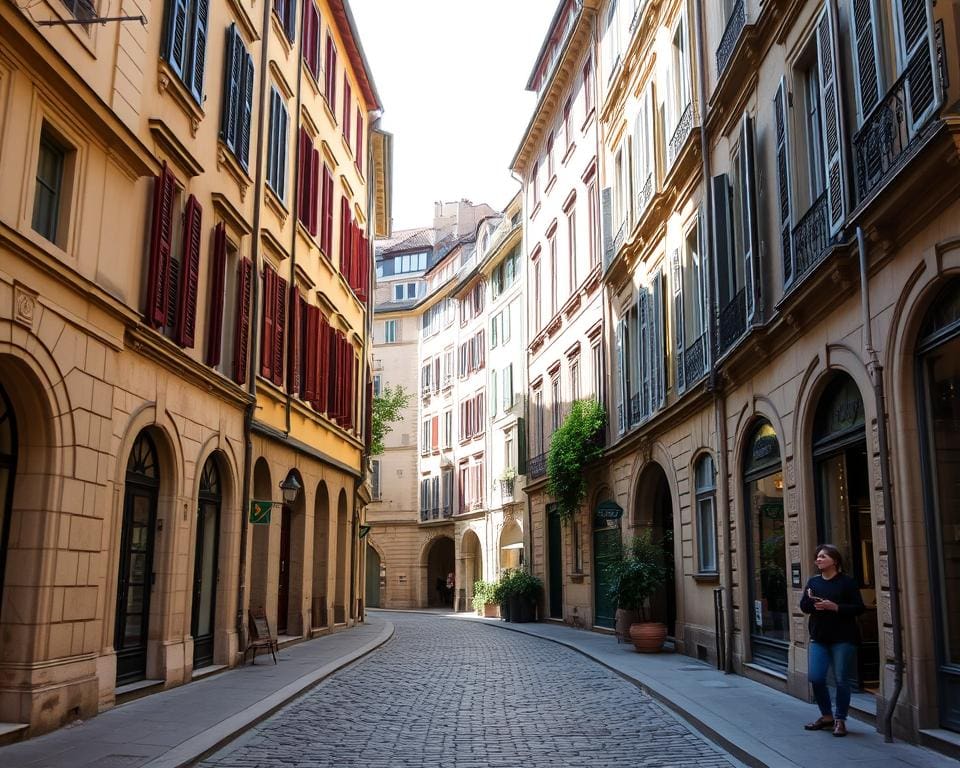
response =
{"points": [[491, 610], [621, 627], [521, 610], [648, 636], [505, 610]]}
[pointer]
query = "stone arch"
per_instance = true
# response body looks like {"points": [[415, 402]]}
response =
{"points": [[261, 596], [510, 556], [343, 559], [320, 605], [37, 489], [471, 567], [297, 595], [374, 563], [437, 559]]}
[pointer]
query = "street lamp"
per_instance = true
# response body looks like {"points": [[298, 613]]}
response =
{"points": [[290, 488]]}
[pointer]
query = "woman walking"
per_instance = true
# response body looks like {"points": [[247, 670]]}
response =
{"points": [[833, 601]]}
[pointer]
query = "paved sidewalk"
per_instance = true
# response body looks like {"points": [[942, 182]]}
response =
{"points": [[176, 727], [757, 724]]}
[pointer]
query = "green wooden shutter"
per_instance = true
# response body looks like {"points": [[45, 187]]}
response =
{"points": [[781, 121]]}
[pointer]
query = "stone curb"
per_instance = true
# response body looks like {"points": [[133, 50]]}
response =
{"points": [[198, 747], [748, 751]]}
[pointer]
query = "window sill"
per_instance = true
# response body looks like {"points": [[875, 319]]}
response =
{"points": [[228, 161], [708, 577], [588, 120], [281, 33], [274, 202], [571, 148], [169, 83], [535, 211], [550, 185]]}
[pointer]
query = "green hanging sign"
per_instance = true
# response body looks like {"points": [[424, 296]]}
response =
{"points": [[364, 530], [260, 512]]}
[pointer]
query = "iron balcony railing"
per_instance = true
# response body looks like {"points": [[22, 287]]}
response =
{"points": [[619, 238], [645, 195], [811, 237], [735, 27], [680, 134], [733, 321], [634, 409], [891, 129], [537, 466], [435, 513], [695, 360]]}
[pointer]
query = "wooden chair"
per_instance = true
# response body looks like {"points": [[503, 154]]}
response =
{"points": [[260, 636]]}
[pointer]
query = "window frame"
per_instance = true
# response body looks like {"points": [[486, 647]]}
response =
{"points": [[706, 494]]}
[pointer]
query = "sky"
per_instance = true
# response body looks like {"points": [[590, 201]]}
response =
{"points": [[451, 75]]}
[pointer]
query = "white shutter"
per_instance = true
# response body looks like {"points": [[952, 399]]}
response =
{"points": [[748, 198], [676, 269], [658, 382], [918, 58], [784, 202], [866, 55], [644, 346], [833, 141], [639, 162]]}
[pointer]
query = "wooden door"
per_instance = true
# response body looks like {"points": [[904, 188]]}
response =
{"points": [[283, 590]]}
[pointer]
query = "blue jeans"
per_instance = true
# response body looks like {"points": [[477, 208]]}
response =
{"points": [[841, 657]]}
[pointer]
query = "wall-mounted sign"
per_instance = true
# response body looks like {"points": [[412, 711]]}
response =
{"points": [[364, 530], [260, 512], [795, 578], [609, 510]]}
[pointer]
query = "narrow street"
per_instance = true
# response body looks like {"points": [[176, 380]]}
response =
{"points": [[451, 693]]}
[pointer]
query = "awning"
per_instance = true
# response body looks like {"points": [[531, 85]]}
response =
{"points": [[518, 545]]}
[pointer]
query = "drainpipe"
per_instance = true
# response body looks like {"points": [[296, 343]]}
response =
{"points": [[719, 402], [295, 216], [876, 376], [254, 337]]}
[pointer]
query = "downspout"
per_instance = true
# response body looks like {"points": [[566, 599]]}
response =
{"points": [[875, 371], [254, 336], [719, 402]]}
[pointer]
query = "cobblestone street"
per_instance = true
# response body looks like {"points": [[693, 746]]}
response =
{"points": [[449, 693]]}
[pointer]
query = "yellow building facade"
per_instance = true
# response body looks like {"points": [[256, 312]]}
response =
{"points": [[185, 273]]}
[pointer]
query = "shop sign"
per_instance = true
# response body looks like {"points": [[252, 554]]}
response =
{"points": [[609, 510], [260, 512]]}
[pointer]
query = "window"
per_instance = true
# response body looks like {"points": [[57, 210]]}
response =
{"points": [[619, 198], [567, 122], [448, 429], [82, 10], [572, 247], [228, 306], [588, 88], [493, 392], [286, 11], [507, 387], [537, 309], [358, 151], [552, 266], [556, 416], [505, 328], [238, 97], [447, 367], [310, 43], [425, 437], [326, 212], [277, 145], [597, 355], [377, 384], [535, 183], [347, 108], [594, 221], [389, 331], [538, 419], [706, 490], [404, 291], [575, 379], [49, 200], [550, 171], [644, 152], [577, 546], [308, 182], [494, 327], [689, 311], [330, 80], [680, 74], [813, 131], [186, 43], [375, 479], [447, 482]]}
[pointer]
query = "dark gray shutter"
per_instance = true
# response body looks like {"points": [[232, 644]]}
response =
{"points": [[866, 55], [621, 378], [722, 244], [177, 35], [833, 143], [748, 198], [232, 76], [676, 269], [658, 346], [606, 214], [784, 202], [199, 49], [915, 23], [243, 150], [644, 347]]}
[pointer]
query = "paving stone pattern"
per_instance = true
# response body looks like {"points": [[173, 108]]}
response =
{"points": [[462, 695]]}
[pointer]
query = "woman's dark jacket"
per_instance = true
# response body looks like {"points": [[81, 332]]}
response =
{"points": [[838, 626]]}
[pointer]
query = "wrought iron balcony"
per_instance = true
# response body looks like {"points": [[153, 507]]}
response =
{"points": [[618, 239], [680, 134], [634, 409], [695, 360], [620, 422], [811, 238], [735, 26], [890, 131], [733, 321], [537, 466], [645, 195]]}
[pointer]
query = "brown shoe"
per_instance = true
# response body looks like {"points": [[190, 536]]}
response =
{"points": [[839, 728], [823, 724]]}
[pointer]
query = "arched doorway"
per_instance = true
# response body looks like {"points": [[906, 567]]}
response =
{"points": [[768, 604], [260, 541], [209, 501], [938, 373], [471, 558], [843, 505], [511, 546], [8, 470], [136, 560], [372, 597], [283, 583], [321, 555], [654, 511], [440, 562], [290, 598], [607, 546], [340, 596]]}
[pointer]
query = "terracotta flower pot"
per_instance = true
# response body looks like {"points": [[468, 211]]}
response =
{"points": [[622, 623], [491, 610], [648, 636]]}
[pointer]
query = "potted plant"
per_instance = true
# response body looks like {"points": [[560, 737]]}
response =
{"points": [[520, 592], [634, 577], [483, 602], [507, 478], [500, 597]]}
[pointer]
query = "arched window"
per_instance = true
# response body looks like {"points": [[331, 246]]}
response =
{"points": [[705, 483], [205, 564]]}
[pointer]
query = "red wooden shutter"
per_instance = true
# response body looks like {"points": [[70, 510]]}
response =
{"points": [[186, 329], [304, 151], [218, 277], [314, 189], [296, 327], [268, 335], [359, 155], [279, 327], [368, 416], [325, 364], [344, 224], [312, 343], [435, 432], [161, 237], [241, 330]]}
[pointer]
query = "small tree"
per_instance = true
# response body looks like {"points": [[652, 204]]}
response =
{"points": [[637, 573], [573, 446], [387, 409]]}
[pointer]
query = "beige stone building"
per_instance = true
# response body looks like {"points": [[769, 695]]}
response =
{"points": [[782, 287], [174, 289]]}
